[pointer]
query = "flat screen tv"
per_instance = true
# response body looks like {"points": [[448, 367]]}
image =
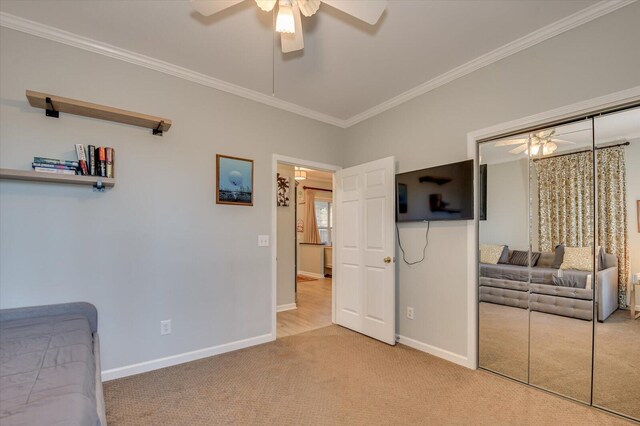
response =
{"points": [[437, 193]]}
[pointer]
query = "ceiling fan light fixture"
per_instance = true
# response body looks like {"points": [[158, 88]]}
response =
{"points": [[285, 22], [549, 148]]}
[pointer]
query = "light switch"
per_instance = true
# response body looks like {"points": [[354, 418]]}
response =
{"points": [[263, 240]]}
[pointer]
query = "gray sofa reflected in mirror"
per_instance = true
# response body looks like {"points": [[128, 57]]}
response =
{"points": [[545, 289]]}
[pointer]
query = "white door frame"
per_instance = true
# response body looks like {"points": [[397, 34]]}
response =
{"points": [[274, 227], [586, 107]]}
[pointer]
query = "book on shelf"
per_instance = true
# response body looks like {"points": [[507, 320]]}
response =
{"points": [[53, 166], [109, 153], [54, 171], [54, 161], [91, 159], [101, 162], [82, 159]]}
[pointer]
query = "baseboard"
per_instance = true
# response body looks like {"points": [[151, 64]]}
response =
{"points": [[155, 364], [286, 307], [311, 274], [435, 351]]}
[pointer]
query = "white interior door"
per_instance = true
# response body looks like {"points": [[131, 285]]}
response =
{"points": [[365, 249]]}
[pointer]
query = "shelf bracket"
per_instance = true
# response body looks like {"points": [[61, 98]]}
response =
{"points": [[50, 111], [158, 130], [99, 186]]}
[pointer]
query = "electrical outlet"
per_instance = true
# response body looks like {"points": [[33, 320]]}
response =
{"points": [[165, 327], [410, 312], [263, 240]]}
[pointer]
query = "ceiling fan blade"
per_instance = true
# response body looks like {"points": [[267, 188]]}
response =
{"points": [[295, 41], [511, 142], [210, 7], [518, 150], [266, 5], [562, 141], [367, 11], [308, 7]]}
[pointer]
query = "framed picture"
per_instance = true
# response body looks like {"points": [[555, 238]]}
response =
{"points": [[234, 181], [283, 190], [638, 213]]}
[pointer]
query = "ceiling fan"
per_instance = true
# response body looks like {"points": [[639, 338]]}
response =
{"points": [[288, 21], [541, 143]]}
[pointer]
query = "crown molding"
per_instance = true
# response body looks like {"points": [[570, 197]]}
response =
{"points": [[55, 34], [572, 21]]}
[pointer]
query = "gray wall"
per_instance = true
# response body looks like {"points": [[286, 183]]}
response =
{"points": [[286, 265], [507, 205], [595, 59], [156, 246]]}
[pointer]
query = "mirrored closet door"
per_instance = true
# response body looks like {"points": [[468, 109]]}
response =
{"points": [[559, 253], [504, 258], [616, 371], [561, 290]]}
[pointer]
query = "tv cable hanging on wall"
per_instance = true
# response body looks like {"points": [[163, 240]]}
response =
{"points": [[424, 250]]}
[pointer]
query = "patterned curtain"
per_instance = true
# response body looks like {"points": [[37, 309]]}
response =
{"points": [[311, 234], [566, 200], [612, 212]]}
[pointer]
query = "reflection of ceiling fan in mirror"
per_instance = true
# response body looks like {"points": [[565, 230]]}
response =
{"points": [[541, 143], [288, 22]]}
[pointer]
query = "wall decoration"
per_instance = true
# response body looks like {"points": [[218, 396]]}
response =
{"points": [[300, 225], [234, 181], [638, 210], [283, 190], [300, 193]]}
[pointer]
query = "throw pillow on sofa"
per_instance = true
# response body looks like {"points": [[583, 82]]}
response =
{"points": [[521, 258], [559, 256], [578, 258], [504, 258], [490, 254], [602, 259]]}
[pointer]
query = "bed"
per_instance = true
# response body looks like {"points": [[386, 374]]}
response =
{"points": [[50, 366]]}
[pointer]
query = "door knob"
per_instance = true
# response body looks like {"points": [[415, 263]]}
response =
{"points": [[387, 259]]}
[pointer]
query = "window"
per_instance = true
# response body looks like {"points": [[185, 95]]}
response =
{"points": [[324, 218]]}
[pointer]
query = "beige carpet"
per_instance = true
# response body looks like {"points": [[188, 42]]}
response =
{"points": [[333, 376]]}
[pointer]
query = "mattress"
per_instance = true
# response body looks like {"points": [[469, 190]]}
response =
{"points": [[539, 275], [47, 371]]}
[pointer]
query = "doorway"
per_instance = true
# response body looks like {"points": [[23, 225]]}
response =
{"points": [[304, 247]]}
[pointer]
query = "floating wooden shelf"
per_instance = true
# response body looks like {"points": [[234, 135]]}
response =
{"points": [[29, 175], [86, 109]]}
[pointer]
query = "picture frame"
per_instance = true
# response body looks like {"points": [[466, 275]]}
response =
{"points": [[638, 213], [283, 183], [234, 180]]}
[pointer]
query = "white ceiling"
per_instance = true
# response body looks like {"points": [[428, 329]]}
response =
{"points": [[346, 68], [623, 126]]}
